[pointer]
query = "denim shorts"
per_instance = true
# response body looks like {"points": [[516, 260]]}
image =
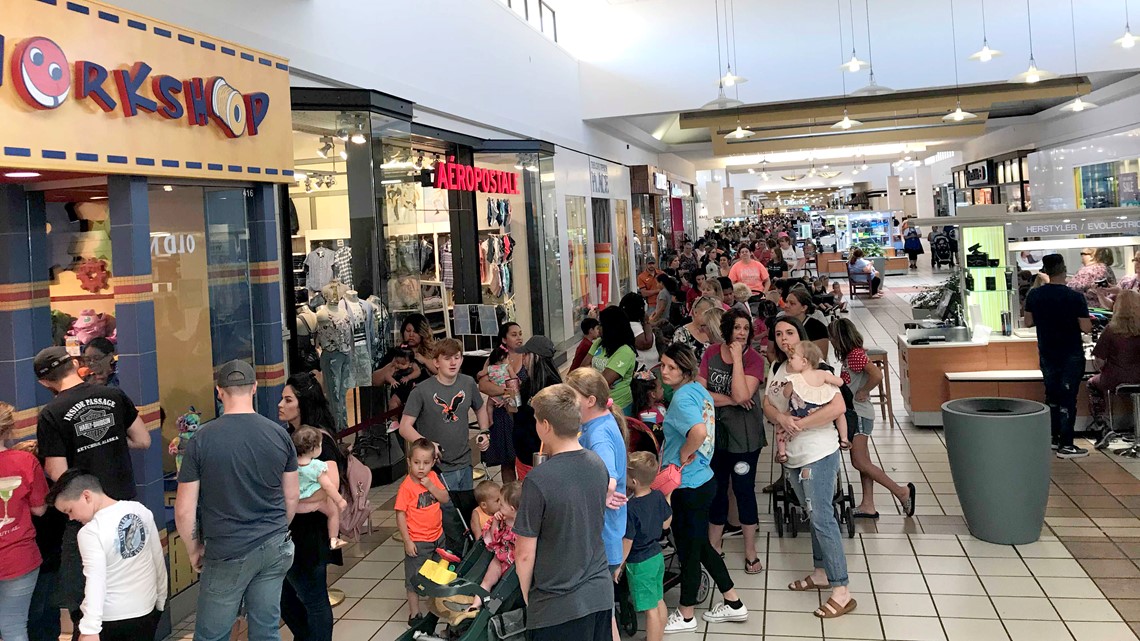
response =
{"points": [[412, 564], [859, 425]]}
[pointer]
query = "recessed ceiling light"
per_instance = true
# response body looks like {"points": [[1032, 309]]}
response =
{"points": [[98, 198], [167, 188], [21, 174]]}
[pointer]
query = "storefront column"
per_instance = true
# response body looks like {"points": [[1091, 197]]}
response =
{"points": [[25, 311], [265, 295], [465, 238]]}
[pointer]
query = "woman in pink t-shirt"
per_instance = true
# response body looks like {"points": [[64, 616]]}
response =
{"points": [[750, 272]]}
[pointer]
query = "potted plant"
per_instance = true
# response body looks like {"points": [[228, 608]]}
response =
{"points": [[924, 304]]}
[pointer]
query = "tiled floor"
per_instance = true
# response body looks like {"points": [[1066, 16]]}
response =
{"points": [[918, 579]]}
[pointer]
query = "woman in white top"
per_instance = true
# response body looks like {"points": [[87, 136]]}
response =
{"points": [[812, 470], [793, 256], [644, 339]]}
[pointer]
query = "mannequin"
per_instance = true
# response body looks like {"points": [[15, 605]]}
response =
{"points": [[334, 336], [363, 323], [306, 331]]}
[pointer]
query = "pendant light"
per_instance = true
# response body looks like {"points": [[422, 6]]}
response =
{"points": [[957, 115], [722, 101], [847, 122], [1077, 105], [740, 133], [854, 65], [1032, 74], [1127, 41], [872, 88], [985, 54]]}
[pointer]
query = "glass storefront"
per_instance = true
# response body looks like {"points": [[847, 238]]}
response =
{"points": [[578, 254]]}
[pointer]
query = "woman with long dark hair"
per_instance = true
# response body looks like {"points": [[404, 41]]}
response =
{"points": [[499, 380], [643, 338], [732, 372], [417, 334], [613, 355], [304, 594], [538, 373]]}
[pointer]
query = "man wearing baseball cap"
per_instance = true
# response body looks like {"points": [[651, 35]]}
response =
{"points": [[237, 492], [86, 426]]}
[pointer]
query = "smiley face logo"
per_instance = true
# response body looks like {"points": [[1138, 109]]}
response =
{"points": [[41, 73]]}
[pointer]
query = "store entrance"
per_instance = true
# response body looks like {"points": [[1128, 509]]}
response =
{"points": [[603, 249]]}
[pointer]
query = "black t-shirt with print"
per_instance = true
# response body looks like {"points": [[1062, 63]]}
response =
{"points": [[87, 425]]}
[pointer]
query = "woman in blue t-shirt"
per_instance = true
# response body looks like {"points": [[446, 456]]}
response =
{"points": [[690, 428]]}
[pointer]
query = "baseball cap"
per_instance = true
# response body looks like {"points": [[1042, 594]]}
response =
{"points": [[49, 359], [235, 374], [539, 346]]}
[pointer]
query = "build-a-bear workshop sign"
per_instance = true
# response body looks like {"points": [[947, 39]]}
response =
{"points": [[89, 87]]}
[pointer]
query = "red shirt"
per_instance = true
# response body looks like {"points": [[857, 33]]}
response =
{"points": [[18, 551], [580, 354]]}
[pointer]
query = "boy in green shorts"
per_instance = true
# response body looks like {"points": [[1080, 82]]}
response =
{"points": [[648, 514]]}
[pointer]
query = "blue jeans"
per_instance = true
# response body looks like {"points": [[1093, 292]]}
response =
{"points": [[15, 597], [1062, 379], [457, 512], [43, 614], [814, 485], [255, 579]]}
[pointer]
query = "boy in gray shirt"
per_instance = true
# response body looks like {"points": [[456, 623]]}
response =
{"points": [[438, 410], [559, 554]]}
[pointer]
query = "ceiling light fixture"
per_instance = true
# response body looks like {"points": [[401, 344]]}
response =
{"points": [[344, 154], [1032, 74], [326, 147], [1077, 105], [751, 170], [729, 79], [957, 115], [854, 65], [358, 137], [21, 174], [847, 122], [1127, 41], [985, 54], [740, 133], [873, 88]]}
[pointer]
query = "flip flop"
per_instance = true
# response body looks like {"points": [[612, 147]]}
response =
{"points": [[832, 610], [805, 585], [866, 515], [908, 505], [753, 566]]}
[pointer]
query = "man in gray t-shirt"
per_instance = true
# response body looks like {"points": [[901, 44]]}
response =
{"points": [[237, 491], [439, 409]]}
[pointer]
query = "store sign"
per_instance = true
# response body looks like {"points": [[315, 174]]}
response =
{"points": [[1130, 225], [452, 175], [163, 245], [978, 174], [599, 177], [660, 181], [91, 87]]}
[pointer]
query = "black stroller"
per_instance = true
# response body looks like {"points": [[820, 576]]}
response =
{"points": [[941, 251], [791, 516]]}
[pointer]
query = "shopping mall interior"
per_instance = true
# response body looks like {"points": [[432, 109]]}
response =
{"points": [[314, 190]]}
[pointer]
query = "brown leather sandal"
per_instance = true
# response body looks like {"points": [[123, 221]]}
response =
{"points": [[805, 585], [832, 610]]}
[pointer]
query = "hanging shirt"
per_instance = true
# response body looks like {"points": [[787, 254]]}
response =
{"points": [[319, 268], [343, 259]]}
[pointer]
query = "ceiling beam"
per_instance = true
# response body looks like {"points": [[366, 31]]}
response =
{"points": [[822, 140]]}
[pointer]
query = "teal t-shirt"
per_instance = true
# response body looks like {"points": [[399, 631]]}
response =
{"points": [[691, 404], [624, 362]]}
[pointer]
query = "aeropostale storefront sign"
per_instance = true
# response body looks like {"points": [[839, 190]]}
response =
{"points": [[90, 87]]}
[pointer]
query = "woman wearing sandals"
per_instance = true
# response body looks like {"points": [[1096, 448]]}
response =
{"points": [[812, 470], [732, 373], [862, 376], [690, 432]]}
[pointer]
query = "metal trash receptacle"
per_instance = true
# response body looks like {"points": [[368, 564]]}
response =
{"points": [[999, 450]]}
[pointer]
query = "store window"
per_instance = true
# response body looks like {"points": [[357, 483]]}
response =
{"points": [[664, 222], [644, 237], [549, 265], [621, 218], [578, 252]]}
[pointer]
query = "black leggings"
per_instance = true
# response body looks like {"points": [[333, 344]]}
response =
{"points": [[137, 629], [876, 283], [743, 486], [691, 534]]}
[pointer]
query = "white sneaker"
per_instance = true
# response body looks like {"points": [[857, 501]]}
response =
{"points": [[677, 623], [724, 612]]}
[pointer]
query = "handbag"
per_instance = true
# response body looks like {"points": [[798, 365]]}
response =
{"points": [[667, 480], [509, 626]]}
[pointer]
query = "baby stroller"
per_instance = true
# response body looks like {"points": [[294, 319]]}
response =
{"points": [[643, 439], [941, 252], [791, 516], [503, 615]]}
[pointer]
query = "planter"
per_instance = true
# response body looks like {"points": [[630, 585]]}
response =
{"points": [[1000, 460], [921, 314]]}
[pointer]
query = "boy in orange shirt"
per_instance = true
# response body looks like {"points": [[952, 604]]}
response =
{"points": [[419, 517]]}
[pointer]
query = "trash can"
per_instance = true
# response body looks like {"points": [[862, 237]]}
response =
{"points": [[999, 458]]}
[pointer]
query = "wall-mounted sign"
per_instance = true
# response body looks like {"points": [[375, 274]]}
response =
{"points": [[660, 181], [452, 175], [91, 87], [599, 177], [978, 174], [1130, 225]]}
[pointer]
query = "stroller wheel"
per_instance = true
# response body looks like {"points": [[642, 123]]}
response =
{"points": [[849, 515], [793, 523], [778, 515], [850, 498], [703, 591]]}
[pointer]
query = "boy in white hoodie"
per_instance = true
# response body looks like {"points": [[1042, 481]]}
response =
{"points": [[122, 560]]}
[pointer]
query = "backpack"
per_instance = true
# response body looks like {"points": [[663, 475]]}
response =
{"points": [[356, 518]]}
